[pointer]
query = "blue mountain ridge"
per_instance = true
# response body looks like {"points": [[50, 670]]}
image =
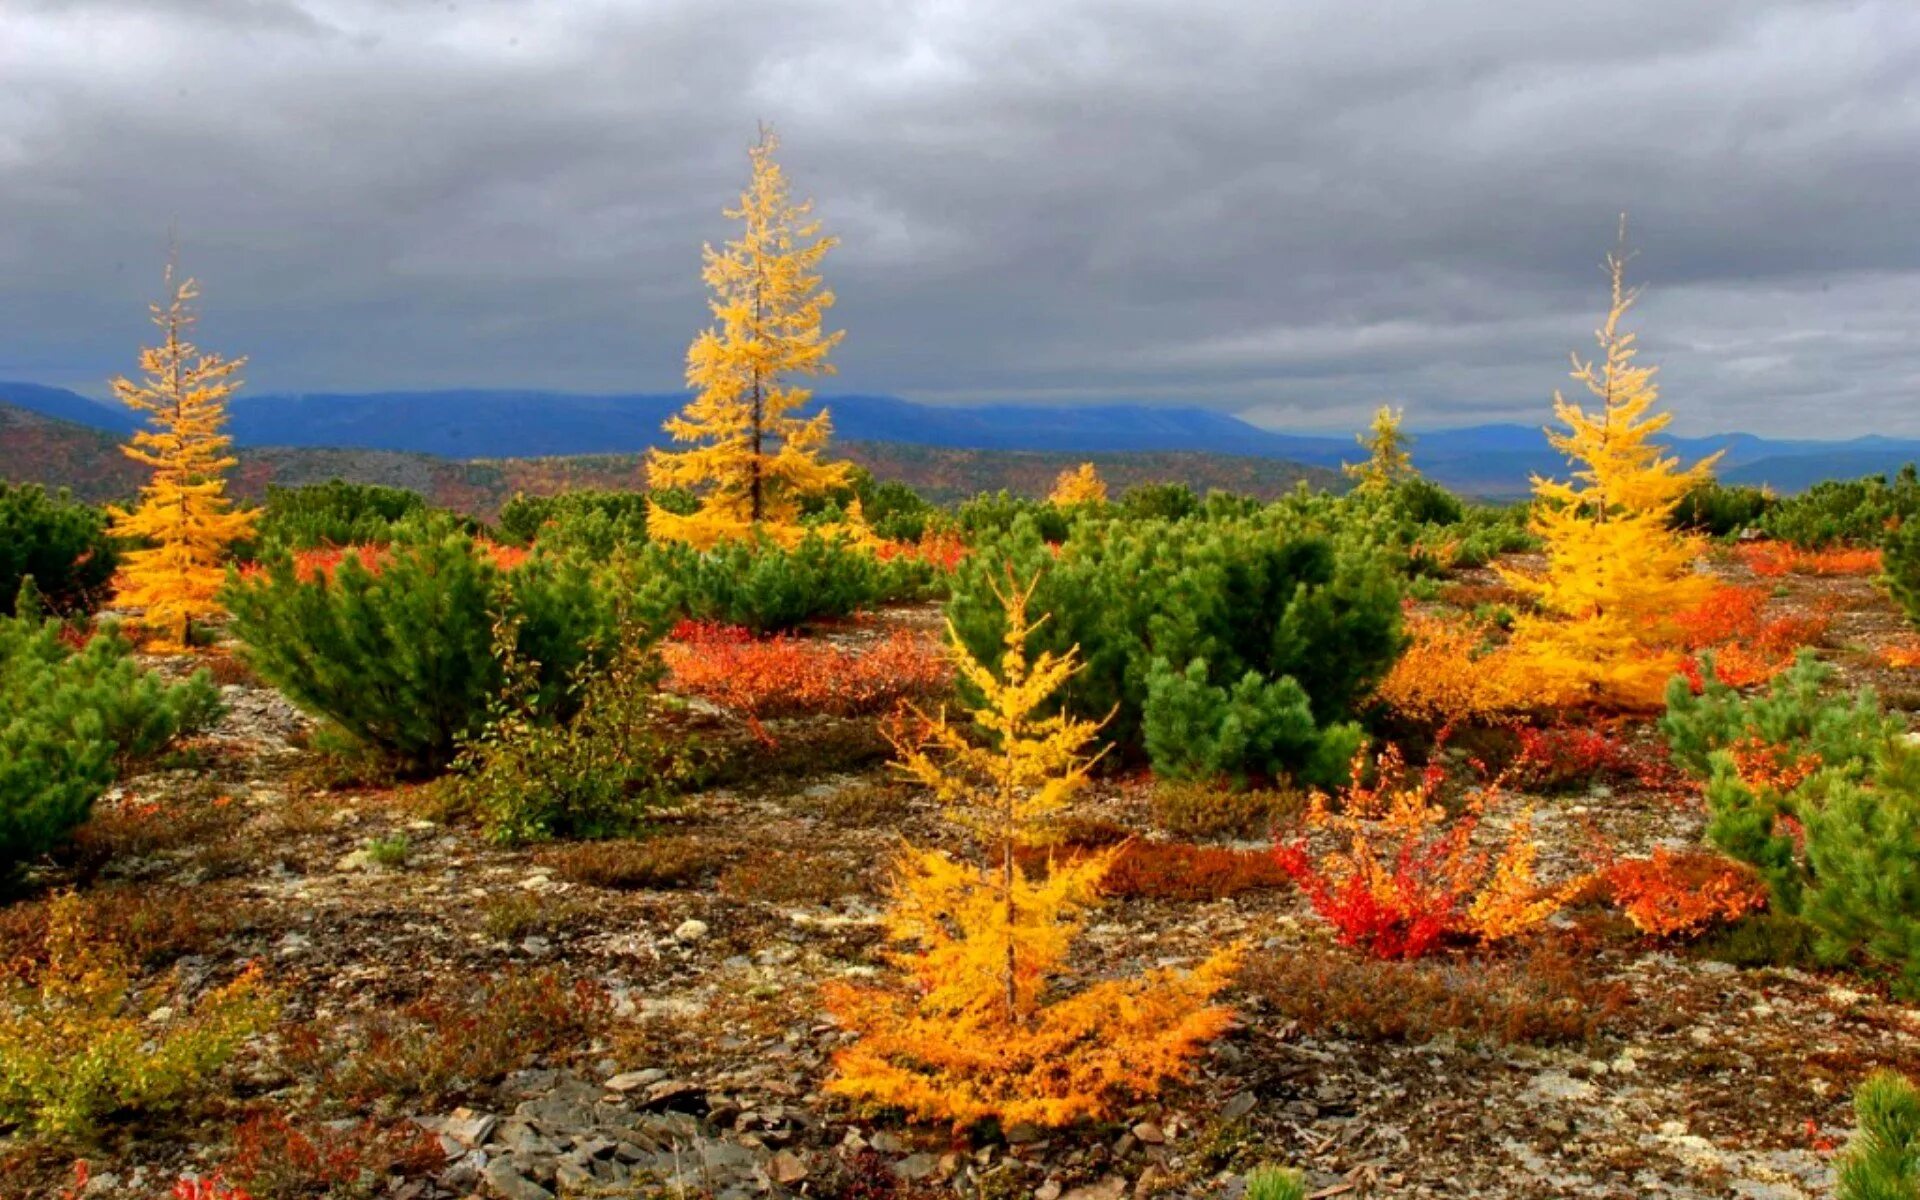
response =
{"points": [[1495, 460]]}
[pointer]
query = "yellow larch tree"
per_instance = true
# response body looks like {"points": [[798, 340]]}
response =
{"points": [[1616, 573], [1389, 456], [184, 522], [753, 460], [1078, 485], [983, 1025]]}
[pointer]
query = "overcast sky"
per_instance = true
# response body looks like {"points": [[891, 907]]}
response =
{"points": [[1289, 209]]}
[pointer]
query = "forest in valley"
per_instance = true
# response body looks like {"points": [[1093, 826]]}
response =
{"points": [[771, 827]]}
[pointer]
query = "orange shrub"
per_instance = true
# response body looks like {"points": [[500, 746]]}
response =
{"points": [[785, 676], [936, 548], [1680, 893], [1448, 673], [1747, 647], [1770, 560], [1901, 655]]}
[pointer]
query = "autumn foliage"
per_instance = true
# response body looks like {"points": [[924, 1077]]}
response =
{"points": [[1078, 485], [1451, 671], [786, 676], [1747, 645], [1389, 459], [1771, 560], [1406, 877], [1616, 571], [749, 458], [986, 1021], [1678, 893], [184, 521]]}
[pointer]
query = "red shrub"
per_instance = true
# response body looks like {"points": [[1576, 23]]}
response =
{"points": [[1747, 646], [942, 550], [277, 1158], [210, 1188], [786, 676], [323, 561], [1569, 756], [1770, 560]]}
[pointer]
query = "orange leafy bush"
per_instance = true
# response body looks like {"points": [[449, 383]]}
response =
{"points": [[985, 1021], [1770, 560], [1747, 646], [784, 676], [1901, 655], [1448, 673], [1408, 877], [942, 549], [1679, 893]]}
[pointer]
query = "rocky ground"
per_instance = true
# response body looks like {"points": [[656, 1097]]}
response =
{"points": [[697, 1066]]}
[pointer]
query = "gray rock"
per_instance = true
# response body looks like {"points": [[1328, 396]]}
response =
{"points": [[506, 1182]]}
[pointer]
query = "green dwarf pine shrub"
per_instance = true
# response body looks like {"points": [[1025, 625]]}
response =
{"points": [[1716, 510], [1900, 567], [1158, 502], [1882, 1161], [1858, 511], [402, 659], [56, 541], [990, 514], [1195, 729], [1798, 725], [589, 520], [1306, 594], [1863, 860], [66, 717], [767, 588], [334, 513], [599, 774]]}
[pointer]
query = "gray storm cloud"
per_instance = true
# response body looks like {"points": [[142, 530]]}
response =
{"points": [[1290, 210]]}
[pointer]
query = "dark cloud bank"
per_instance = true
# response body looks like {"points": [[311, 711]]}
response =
{"points": [[1285, 209]]}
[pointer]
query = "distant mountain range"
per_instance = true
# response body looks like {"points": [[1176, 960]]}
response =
{"points": [[36, 448], [1493, 461]]}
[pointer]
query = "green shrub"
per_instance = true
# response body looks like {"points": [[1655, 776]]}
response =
{"points": [[989, 515], [1425, 503], [594, 522], [766, 588], [403, 660], [1299, 592], [59, 543], [66, 717], [1717, 510], [1863, 863], [1858, 511], [1196, 729], [1826, 807], [1900, 567], [598, 774], [334, 513], [1882, 1161], [1159, 502], [1803, 724], [79, 1043]]}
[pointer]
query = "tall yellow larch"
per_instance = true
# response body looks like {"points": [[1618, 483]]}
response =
{"points": [[1616, 574], [1078, 485], [985, 1024], [753, 461], [184, 520], [1389, 456]]}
